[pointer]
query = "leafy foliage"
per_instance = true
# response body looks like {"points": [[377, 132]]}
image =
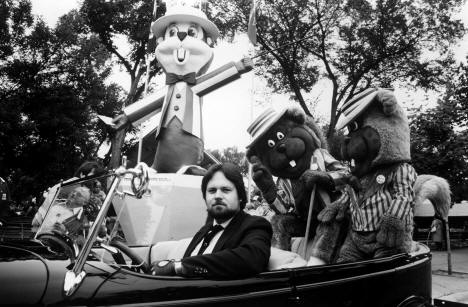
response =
{"points": [[124, 20], [233, 155], [52, 88], [355, 44], [440, 137]]}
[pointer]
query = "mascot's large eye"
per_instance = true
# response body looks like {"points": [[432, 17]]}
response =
{"points": [[271, 143], [353, 126], [192, 31], [172, 31], [279, 135]]}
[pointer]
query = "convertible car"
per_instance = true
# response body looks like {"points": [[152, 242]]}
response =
{"points": [[102, 255]]}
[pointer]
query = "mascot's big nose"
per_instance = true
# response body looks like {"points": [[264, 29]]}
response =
{"points": [[181, 35], [293, 148], [282, 148]]}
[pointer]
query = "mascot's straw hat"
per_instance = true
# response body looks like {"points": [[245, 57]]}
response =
{"points": [[264, 122], [184, 14], [354, 107]]}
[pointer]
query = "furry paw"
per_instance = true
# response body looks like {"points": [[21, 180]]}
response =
{"points": [[392, 231], [310, 177], [336, 211], [263, 179]]}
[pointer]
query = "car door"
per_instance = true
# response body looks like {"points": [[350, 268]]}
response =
{"points": [[380, 282], [127, 287]]}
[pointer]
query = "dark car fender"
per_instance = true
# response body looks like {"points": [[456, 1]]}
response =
{"points": [[23, 276]]}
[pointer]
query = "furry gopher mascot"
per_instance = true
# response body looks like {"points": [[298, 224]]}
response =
{"points": [[378, 146], [290, 146]]}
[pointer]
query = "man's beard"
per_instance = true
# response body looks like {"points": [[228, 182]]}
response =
{"points": [[222, 213]]}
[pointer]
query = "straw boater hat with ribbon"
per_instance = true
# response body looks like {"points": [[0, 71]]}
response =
{"points": [[184, 14], [271, 116], [263, 122], [354, 107]]}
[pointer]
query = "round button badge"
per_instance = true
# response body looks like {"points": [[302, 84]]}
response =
{"points": [[380, 179]]}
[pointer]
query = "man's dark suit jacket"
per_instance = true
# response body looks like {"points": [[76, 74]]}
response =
{"points": [[242, 250]]}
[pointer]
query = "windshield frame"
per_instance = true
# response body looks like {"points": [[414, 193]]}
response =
{"points": [[93, 232]]}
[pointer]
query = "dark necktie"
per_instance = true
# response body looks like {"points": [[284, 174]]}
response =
{"points": [[214, 229], [190, 78]]}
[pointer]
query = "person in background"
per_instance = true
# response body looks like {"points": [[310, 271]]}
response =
{"points": [[260, 207], [437, 233], [232, 243], [86, 169]]}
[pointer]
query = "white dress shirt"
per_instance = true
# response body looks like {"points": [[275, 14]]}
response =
{"points": [[213, 242]]}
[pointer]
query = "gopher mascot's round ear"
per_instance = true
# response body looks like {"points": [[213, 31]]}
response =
{"points": [[389, 102], [296, 114], [250, 152]]}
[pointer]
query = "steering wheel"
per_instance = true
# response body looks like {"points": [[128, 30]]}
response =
{"points": [[58, 243], [136, 259]]}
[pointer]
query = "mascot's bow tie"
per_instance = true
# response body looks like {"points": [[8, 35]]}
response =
{"points": [[173, 78]]}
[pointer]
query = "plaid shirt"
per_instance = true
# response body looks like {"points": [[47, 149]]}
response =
{"points": [[394, 197]]}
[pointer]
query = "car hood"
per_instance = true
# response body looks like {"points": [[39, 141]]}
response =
{"points": [[23, 273]]}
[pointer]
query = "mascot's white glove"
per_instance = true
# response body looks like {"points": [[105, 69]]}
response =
{"points": [[120, 121], [244, 65]]}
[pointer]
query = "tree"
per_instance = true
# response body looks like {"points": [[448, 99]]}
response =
{"points": [[354, 44], [128, 19], [233, 155], [52, 88], [439, 136]]}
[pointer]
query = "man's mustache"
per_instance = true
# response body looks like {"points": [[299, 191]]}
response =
{"points": [[219, 202]]}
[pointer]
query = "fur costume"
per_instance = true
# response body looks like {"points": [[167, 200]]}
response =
{"points": [[291, 147], [378, 146], [185, 37], [437, 191]]}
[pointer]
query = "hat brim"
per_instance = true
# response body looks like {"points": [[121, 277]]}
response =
{"points": [[356, 109], [266, 127], [159, 26]]}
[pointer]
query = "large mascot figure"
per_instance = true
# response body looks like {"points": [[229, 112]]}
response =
{"points": [[185, 39], [378, 146], [290, 146]]}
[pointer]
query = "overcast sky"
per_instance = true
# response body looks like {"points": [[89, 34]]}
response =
{"points": [[227, 111]]}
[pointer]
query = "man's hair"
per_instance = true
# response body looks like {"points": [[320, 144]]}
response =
{"points": [[233, 174]]}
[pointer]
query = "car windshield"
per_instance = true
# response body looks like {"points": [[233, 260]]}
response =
{"points": [[73, 211], [171, 208]]}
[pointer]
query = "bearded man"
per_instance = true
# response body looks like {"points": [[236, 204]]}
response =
{"points": [[232, 244]]}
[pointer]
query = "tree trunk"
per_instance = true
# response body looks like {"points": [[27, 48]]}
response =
{"points": [[116, 148], [119, 136], [297, 92], [334, 107]]}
